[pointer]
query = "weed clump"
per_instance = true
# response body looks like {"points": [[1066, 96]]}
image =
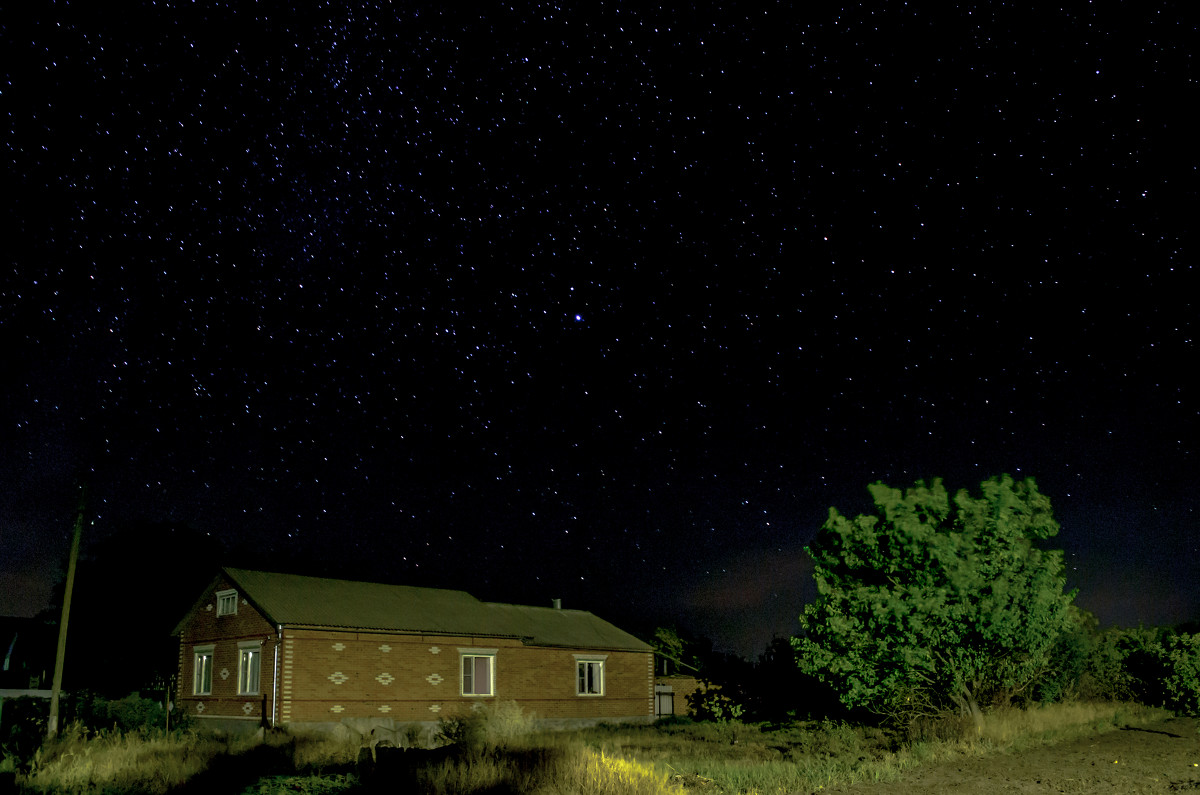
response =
{"points": [[487, 728]]}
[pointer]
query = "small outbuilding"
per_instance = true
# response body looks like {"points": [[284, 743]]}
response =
{"points": [[261, 648]]}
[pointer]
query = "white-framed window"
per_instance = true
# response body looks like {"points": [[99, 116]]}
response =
{"points": [[478, 671], [249, 666], [227, 603], [202, 667], [589, 675]]}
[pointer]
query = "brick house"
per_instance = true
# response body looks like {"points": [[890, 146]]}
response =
{"points": [[278, 649]]}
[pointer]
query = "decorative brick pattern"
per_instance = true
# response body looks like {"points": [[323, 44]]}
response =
{"points": [[204, 627], [650, 680], [339, 646], [434, 650], [385, 648], [540, 679], [285, 688]]}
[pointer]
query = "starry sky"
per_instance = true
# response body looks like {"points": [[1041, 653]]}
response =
{"points": [[608, 304]]}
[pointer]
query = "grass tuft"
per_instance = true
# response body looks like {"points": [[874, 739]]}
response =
{"points": [[149, 762]]}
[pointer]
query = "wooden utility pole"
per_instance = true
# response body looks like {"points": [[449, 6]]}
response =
{"points": [[60, 657]]}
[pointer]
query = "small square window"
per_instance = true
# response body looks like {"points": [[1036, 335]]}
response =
{"points": [[227, 602], [249, 666], [589, 677], [478, 674], [202, 667]]}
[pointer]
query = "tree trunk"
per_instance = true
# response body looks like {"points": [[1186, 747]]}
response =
{"points": [[968, 706]]}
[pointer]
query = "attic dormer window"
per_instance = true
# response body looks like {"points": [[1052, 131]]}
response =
{"points": [[227, 603]]}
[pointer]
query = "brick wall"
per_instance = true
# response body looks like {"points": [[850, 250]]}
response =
{"points": [[225, 633], [333, 675], [683, 687]]}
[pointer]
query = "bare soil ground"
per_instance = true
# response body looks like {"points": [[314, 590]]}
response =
{"points": [[1159, 757]]}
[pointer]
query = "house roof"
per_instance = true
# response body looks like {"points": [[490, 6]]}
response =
{"points": [[26, 646], [295, 600]]}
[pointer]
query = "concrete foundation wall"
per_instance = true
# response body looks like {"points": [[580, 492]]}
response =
{"points": [[423, 734]]}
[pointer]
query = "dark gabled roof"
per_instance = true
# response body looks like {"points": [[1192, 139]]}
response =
{"points": [[294, 600], [291, 599]]}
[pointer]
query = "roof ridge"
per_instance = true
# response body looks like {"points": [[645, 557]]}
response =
{"points": [[232, 569]]}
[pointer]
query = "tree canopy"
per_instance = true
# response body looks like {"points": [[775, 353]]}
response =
{"points": [[936, 602]]}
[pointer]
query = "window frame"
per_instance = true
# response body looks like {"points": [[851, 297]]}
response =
{"points": [[596, 663], [199, 669], [227, 597], [249, 650], [465, 654]]}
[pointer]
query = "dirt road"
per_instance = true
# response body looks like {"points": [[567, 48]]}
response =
{"points": [[1159, 757]]}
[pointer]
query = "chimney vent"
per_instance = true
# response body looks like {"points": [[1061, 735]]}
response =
{"points": [[557, 603]]}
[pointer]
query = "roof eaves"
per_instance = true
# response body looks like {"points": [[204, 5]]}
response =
{"points": [[589, 646]]}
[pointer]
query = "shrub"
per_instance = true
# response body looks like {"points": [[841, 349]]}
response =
{"points": [[714, 705], [947, 726], [1181, 685], [487, 727], [1153, 666], [1144, 664], [1069, 659], [135, 714], [23, 730], [1104, 676]]}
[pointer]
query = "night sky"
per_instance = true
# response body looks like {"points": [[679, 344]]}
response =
{"points": [[609, 305]]}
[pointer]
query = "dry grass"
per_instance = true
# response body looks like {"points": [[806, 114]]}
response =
{"points": [[1017, 728], [558, 769], [805, 757], [317, 751], [118, 762], [498, 752]]}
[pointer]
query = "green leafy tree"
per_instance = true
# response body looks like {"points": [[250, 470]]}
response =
{"points": [[1128, 664], [668, 643], [683, 653], [1181, 654], [936, 603], [1069, 659]]}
